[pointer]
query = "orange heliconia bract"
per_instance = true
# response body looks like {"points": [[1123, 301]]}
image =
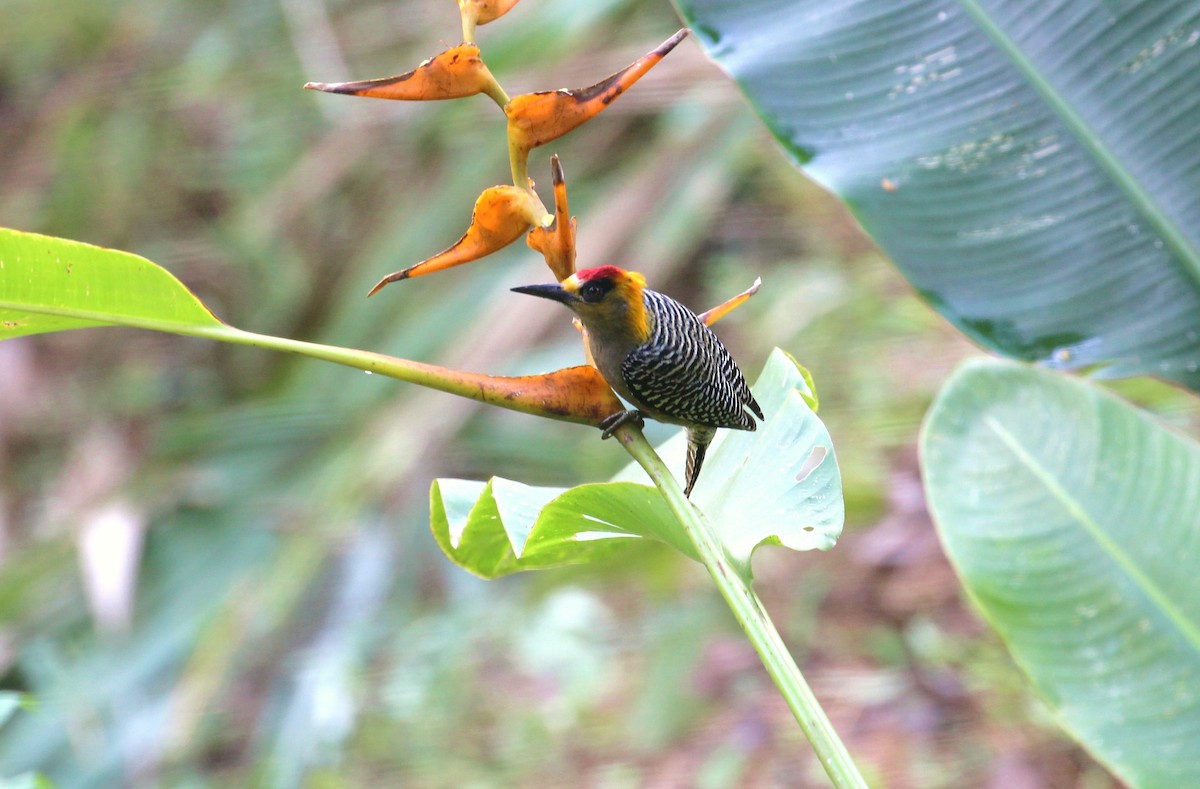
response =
{"points": [[537, 118], [574, 394], [556, 241], [501, 215], [454, 74], [709, 317]]}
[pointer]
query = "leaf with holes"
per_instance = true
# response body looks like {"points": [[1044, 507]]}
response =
{"points": [[1072, 519], [1031, 168], [778, 485]]}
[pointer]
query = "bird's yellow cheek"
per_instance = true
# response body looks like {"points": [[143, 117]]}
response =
{"points": [[639, 319]]}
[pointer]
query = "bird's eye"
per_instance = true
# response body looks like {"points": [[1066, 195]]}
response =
{"points": [[592, 292]]}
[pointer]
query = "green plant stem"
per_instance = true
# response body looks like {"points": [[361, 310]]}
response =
{"points": [[474, 386], [468, 26], [750, 614], [489, 389], [496, 93], [518, 163]]}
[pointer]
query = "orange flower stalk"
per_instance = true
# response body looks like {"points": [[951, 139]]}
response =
{"points": [[537, 118], [574, 394], [454, 74], [501, 215], [556, 241]]}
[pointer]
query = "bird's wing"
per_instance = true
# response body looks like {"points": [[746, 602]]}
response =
{"points": [[686, 374]]}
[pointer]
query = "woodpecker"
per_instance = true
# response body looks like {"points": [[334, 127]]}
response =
{"points": [[657, 355]]}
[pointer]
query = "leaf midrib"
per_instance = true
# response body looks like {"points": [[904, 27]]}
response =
{"points": [[1173, 237], [1121, 558]]}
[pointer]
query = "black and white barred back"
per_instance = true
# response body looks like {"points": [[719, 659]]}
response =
{"points": [[685, 373]]}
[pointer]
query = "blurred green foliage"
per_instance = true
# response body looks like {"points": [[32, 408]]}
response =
{"points": [[293, 622]]}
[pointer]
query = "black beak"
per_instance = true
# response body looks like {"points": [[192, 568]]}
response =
{"points": [[554, 292]]}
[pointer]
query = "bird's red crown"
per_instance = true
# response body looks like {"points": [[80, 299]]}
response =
{"points": [[618, 276], [600, 272]]}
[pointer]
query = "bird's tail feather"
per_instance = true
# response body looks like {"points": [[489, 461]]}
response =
{"points": [[698, 440]]}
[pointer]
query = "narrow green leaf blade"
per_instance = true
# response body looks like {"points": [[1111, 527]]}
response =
{"points": [[1031, 168], [1073, 521], [51, 284]]}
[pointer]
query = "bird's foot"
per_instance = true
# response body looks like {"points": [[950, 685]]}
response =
{"points": [[610, 424]]}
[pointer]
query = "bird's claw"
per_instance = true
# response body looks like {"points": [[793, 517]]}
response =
{"points": [[610, 424]]}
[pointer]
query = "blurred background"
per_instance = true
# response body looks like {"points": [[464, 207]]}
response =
{"points": [[215, 564]]}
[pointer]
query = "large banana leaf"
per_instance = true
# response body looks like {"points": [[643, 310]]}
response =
{"points": [[1074, 521], [1032, 168]]}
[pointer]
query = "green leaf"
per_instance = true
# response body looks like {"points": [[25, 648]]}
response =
{"points": [[1072, 519], [501, 527], [27, 781], [778, 485], [10, 702], [51, 284], [1031, 168]]}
